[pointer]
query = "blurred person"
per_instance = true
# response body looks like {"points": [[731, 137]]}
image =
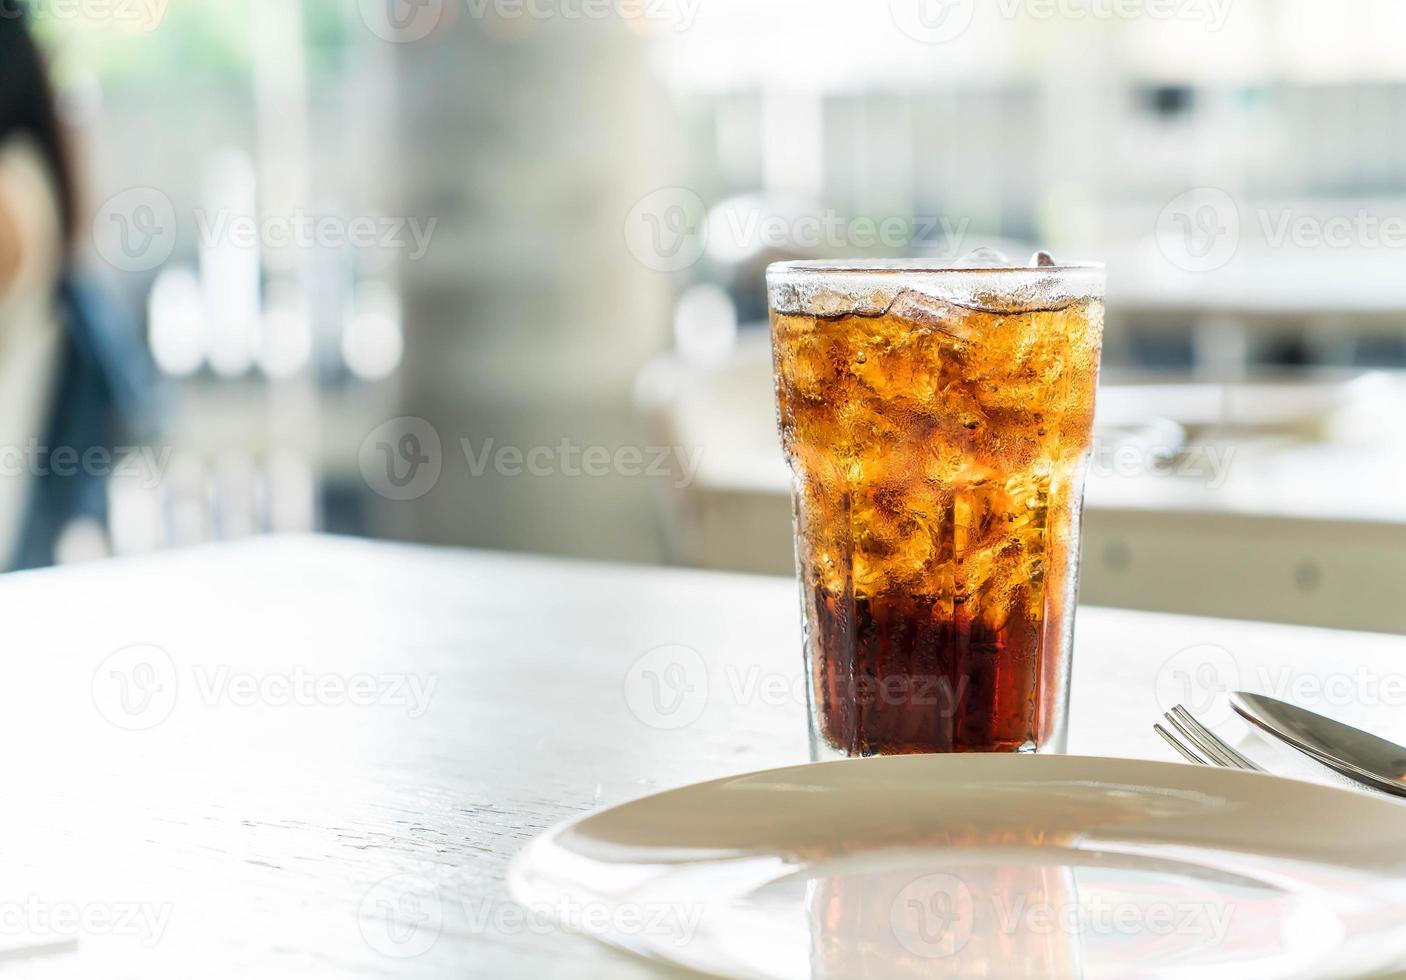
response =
{"points": [[67, 367]]}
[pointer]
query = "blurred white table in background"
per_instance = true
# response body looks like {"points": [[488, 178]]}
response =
{"points": [[194, 767], [1289, 504]]}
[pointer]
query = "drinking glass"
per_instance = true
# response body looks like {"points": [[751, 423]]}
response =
{"points": [[937, 422]]}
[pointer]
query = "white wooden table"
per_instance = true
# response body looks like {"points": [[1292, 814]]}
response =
{"points": [[315, 757]]}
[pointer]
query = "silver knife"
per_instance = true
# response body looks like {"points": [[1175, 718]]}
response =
{"points": [[1351, 751]]}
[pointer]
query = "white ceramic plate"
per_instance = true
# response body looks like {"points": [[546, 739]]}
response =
{"points": [[987, 866]]}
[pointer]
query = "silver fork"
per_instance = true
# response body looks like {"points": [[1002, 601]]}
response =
{"points": [[1199, 744]]}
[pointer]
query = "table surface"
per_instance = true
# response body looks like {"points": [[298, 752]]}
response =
{"points": [[316, 756]]}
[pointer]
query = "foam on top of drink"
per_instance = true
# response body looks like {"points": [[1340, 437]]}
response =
{"points": [[984, 280]]}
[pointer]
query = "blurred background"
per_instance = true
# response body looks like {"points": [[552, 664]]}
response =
{"points": [[490, 272]]}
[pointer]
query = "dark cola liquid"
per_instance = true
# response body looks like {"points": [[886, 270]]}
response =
{"points": [[904, 674], [938, 451]]}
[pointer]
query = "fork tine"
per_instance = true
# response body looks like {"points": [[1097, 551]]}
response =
{"points": [[1185, 752], [1212, 740], [1202, 745], [1190, 737]]}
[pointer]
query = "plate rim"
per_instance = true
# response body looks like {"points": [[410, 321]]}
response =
{"points": [[975, 758], [526, 873]]}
